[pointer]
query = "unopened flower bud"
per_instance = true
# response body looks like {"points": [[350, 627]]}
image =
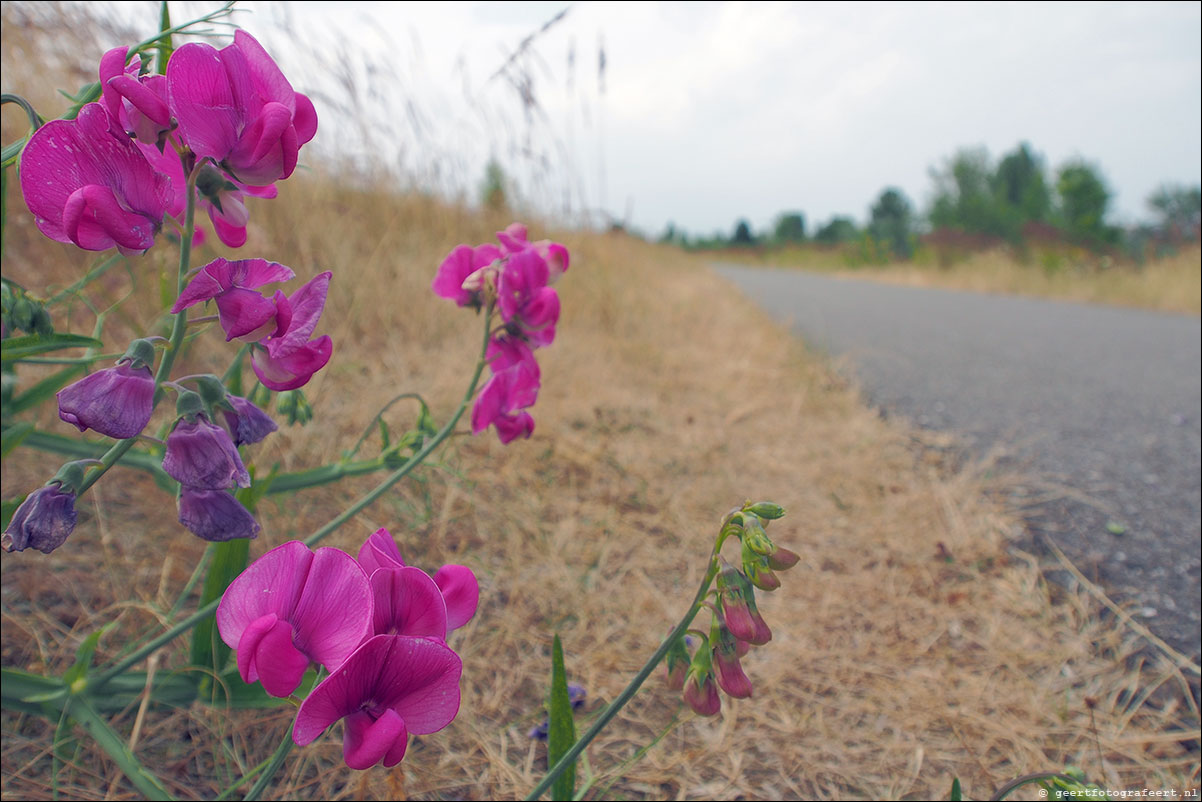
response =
{"points": [[767, 510], [700, 690], [245, 421], [783, 559], [117, 402], [215, 515], [295, 407], [738, 607], [758, 572], [44, 521], [731, 677], [676, 664]]}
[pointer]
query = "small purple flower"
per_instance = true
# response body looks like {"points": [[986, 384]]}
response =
{"points": [[244, 313], [86, 182], [391, 686], [116, 402], [200, 455], [246, 423], [293, 606], [215, 515], [234, 106], [576, 697], [44, 521], [287, 359]]}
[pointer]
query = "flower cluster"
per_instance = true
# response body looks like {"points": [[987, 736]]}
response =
{"points": [[516, 277], [737, 624], [222, 123], [377, 625]]}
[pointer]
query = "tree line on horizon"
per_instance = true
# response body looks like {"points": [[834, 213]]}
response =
{"points": [[977, 204]]}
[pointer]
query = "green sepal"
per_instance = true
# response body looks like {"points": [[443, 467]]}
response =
{"points": [[766, 510]]}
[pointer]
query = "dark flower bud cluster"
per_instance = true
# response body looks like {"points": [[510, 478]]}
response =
{"points": [[736, 624]]}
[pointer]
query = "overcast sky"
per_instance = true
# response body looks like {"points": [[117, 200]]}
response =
{"points": [[714, 111]]}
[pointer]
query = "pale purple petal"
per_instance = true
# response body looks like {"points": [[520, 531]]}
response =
{"points": [[215, 515], [460, 592]]}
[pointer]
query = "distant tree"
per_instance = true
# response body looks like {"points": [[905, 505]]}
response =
{"points": [[891, 223], [964, 197], [1021, 190], [494, 191], [669, 235], [1084, 200], [790, 227], [742, 235], [838, 230], [1178, 210]]}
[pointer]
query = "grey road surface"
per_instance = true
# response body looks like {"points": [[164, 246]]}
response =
{"points": [[1098, 405]]}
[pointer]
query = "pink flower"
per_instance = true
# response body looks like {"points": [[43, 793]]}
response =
{"points": [[457, 586], [513, 240], [700, 691], [234, 106], [245, 314], [138, 103], [738, 607], [525, 301], [731, 677], [293, 606], [287, 359], [460, 591], [391, 686], [407, 602], [87, 183], [459, 276]]}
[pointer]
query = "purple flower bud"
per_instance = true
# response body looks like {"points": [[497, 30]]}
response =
{"points": [[246, 423], [116, 402], [783, 559], [738, 607], [730, 672], [215, 515], [676, 663], [44, 520], [700, 691], [200, 455]]}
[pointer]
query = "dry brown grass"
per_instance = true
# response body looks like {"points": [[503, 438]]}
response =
{"points": [[667, 399], [1169, 284]]}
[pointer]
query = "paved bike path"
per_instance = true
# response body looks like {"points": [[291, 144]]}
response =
{"points": [[1102, 402]]}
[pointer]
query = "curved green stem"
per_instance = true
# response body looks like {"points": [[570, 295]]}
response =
{"points": [[271, 767], [400, 473], [99, 679], [628, 693]]}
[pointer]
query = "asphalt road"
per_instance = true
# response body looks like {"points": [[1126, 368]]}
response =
{"points": [[1099, 406]]}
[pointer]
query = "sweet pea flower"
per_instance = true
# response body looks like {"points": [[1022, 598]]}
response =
{"points": [[116, 402], [502, 401], [380, 551], [234, 106], [244, 314], [407, 602], [44, 521], [700, 691], [215, 515], [513, 240], [391, 686], [731, 677], [525, 301], [459, 276], [293, 606], [87, 183], [201, 455], [739, 611], [138, 103], [287, 359]]}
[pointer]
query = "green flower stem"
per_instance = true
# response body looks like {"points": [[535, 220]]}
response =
{"points": [[93, 274], [631, 689], [99, 679], [417, 459]]}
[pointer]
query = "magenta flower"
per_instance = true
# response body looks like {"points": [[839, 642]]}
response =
{"points": [[215, 515], [391, 686], [380, 551], [512, 388], [525, 301], [138, 103], [116, 402], [293, 606], [200, 455], [513, 240], [87, 183], [234, 106], [287, 359], [459, 277], [244, 314], [245, 422], [44, 521]]}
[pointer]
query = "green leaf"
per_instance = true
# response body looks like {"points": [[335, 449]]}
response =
{"points": [[228, 560], [83, 656], [166, 47], [112, 743], [562, 731], [12, 436], [7, 508], [957, 795], [43, 390], [15, 348]]}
